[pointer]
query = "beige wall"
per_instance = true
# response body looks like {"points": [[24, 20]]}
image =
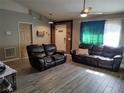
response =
{"points": [[41, 40], [76, 34]]}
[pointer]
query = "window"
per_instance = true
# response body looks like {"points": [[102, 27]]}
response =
{"points": [[112, 33], [92, 32]]}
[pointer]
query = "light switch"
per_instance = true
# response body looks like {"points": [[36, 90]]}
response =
{"points": [[8, 33]]}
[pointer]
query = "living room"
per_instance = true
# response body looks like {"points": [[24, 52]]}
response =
{"points": [[75, 31]]}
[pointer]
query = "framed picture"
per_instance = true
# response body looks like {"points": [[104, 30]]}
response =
{"points": [[40, 33]]}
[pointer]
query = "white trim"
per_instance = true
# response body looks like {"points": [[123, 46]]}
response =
{"points": [[68, 54], [24, 58], [8, 60], [19, 33]]}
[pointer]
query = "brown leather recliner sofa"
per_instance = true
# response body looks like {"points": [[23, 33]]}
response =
{"points": [[100, 56]]}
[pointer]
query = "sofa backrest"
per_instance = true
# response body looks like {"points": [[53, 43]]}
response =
{"points": [[35, 50], [96, 50], [86, 46], [111, 52], [105, 51], [50, 49]]}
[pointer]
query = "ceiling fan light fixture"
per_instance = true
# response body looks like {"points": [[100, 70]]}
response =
{"points": [[50, 22], [83, 14]]}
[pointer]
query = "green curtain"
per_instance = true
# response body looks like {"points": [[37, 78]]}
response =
{"points": [[92, 32]]}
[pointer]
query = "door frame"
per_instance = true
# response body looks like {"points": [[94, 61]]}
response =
{"points": [[21, 22], [52, 29]]}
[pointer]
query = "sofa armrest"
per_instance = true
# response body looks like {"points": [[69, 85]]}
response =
{"points": [[60, 52], [73, 52], [118, 56], [41, 64], [117, 62]]}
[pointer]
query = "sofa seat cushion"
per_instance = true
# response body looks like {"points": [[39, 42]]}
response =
{"points": [[48, 59], [60, 61], [58, 56], [101, 61], [104, 58], [105, 62], [92, 60], [49, 64]]}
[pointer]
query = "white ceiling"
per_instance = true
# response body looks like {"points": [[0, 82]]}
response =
{"points": [[70, 9]]}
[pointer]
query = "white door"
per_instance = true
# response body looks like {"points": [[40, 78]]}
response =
{"points": [[60, 37], [25, 38]]}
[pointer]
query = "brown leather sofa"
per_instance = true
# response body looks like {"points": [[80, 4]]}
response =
{"points": [[100, 56]]}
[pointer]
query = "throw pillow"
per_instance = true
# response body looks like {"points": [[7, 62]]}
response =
{"points": [[80, 51]]}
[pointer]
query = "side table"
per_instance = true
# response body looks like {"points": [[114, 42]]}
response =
{"points": [[10, 75]]}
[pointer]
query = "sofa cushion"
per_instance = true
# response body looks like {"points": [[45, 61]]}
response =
{"points": [[36, 50], [85, 46], [105, 62], [58, 56], [104, 58], [50, 48], [100, 58], [110, 55], [48, 59], [108, 52], [80, 51], [119, 51], [96, 50]]}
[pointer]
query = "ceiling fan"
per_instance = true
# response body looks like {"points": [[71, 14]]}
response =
{"points": [[86, 11]]}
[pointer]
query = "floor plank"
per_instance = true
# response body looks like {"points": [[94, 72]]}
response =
{"points": [[66, 78]]}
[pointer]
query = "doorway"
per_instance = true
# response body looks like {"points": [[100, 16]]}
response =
{"points": [[25, 32], [60, 37]]}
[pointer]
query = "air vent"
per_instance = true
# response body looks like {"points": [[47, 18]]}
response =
{"points": [[10, 52]]}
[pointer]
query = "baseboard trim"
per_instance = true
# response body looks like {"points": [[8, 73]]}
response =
{"points": [[8, 60], [24, 58], [122, 66], [68, 54]]}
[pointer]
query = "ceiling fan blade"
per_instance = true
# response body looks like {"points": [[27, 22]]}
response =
{"points": [[99, 13], [95, 13]]}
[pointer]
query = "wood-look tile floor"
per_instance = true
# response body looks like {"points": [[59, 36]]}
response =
{"points": [[69, 77]]}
